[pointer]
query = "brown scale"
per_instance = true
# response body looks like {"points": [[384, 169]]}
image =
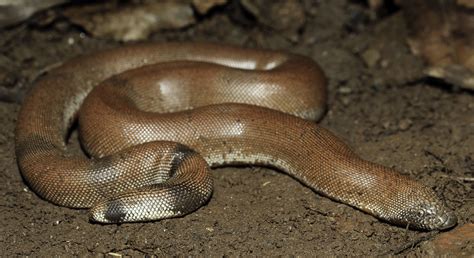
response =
{"points": [[231, 105]]}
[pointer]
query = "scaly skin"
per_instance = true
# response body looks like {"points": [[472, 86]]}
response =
{"points": [[156, 180]]}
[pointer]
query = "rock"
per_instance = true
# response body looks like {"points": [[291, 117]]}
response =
{"points": [[455, 243], [14, 11], [133, 21], [286, 16], [332, 59], [454, 74], [394, 64], [203, 6], [442, 34]]}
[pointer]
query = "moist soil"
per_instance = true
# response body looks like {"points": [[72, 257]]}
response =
{"points": [[379, 102]]}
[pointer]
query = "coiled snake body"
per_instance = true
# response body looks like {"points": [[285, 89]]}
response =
{"points": [[229, 105]]}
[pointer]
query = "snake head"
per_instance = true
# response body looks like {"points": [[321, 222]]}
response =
{"points": [[423, 210], [396, 198], [429, 217]]}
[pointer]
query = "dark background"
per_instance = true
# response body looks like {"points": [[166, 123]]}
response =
{"points": [[380, 102]]}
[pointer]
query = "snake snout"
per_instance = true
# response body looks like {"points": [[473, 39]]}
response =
{"points": [[431, 217], [441, 221], [448, 221]]}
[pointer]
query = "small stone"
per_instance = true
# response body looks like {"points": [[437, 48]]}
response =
{"points": [[371, 57], [345, 90], [404, 124], [345, 101], [384, 63], [131, 22]]}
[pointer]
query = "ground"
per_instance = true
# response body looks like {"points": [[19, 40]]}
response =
{"points": [[379, 103]]}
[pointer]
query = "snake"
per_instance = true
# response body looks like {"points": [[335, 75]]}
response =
{"points": [[154, 118]]}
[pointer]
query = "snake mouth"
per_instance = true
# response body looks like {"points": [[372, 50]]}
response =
{"points": [[427, 217], [449, 221], [442, 221]]}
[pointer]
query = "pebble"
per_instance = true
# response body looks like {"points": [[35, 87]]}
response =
{"points": [[345, 90], [371, 57], [404, 124]]}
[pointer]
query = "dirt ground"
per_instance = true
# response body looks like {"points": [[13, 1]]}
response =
{"points": [[386, 110]]}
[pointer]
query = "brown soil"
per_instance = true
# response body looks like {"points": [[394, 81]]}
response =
{"points": [[387, 112]]}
